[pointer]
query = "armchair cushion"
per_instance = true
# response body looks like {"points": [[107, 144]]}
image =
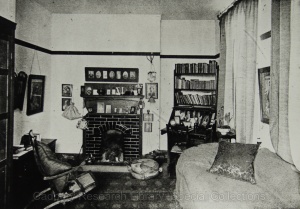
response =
{"points": [[50, 164]]}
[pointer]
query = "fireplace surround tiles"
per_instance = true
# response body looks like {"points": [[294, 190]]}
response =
{"points": [[93, 136]]}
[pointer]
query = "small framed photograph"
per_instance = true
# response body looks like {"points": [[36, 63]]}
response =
{"points": [[264, 93], [133, 110], [67, 90], [205, 121], [100, 107], [152, 90], [35, 94], [104, 74], [119, 75], [177, 120], [108, 109], [147, 117], [132, 75], [91, 74], [65, 102], [148, 127]]}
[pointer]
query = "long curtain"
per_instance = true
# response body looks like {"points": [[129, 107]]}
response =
{"points": [[238, 58], [285, 78]]}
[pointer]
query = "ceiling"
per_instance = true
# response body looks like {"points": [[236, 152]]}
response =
{"points": [[169, 9]]}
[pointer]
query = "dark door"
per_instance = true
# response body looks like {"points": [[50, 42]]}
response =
{"points": [[6, 108]]}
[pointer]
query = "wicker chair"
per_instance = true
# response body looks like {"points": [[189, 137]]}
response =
{"points": [[66, 182]]}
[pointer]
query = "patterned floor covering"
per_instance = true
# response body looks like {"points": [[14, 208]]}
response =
{"points": [[121, 190]]}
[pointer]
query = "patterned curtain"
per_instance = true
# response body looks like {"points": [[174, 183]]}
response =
{"points": [[285, 78], [238, 60]]}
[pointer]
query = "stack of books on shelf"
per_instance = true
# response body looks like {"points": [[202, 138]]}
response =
{"points": [[182, 83], [210, 67], [195, 99]]}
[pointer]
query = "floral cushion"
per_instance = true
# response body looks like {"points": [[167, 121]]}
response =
{"points": [[235, 160]]}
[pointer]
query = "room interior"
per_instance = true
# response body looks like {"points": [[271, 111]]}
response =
{"points": [[61, 39]]}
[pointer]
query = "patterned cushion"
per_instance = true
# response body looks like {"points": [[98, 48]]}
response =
{"points": [[235, 160], [50, 164]]}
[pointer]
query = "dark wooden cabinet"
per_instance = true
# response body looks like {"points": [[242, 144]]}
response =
{"points": [[7, 54], [27, 180]]}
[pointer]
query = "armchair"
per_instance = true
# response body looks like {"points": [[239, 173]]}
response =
{"points": [[66, 183]]}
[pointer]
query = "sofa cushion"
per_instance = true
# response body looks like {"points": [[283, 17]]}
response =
{"points": [[235, 160]]}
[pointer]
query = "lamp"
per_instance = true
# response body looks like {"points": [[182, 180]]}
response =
{"points": [[141, 104], [152, 72]]}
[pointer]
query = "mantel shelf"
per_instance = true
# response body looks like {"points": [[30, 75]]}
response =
{"points": [[113, 96]]}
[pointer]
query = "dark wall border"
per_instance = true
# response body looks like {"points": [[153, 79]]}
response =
{"points": [[41, 49]]}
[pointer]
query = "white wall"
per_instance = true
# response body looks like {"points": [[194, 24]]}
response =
{"points": [[33, 26], [138, 33], [8, 9], [89, 32], [182, 37]]}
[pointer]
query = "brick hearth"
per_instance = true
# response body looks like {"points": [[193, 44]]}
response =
{"points": [[132, 143]]}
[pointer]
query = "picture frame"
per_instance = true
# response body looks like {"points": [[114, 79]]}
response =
{"points": [[105, 74], [264, 82], [35, 94], [65, 102], [132, 110], [152, 90], [148, 117], [67, 90], [148, 127]]}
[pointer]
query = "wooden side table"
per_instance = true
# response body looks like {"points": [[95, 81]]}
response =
{"points": [[226, 137]]}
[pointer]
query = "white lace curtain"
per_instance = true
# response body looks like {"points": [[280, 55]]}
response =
{"points": [[238, 59], [285, 80]]}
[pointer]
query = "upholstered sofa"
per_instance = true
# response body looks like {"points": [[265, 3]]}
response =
{"points": [[277, 184]]}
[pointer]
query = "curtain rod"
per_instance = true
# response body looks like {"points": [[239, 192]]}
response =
{"points": [[228, 8]]}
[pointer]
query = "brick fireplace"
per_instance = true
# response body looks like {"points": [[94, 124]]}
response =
{"points": [[93, 136]]}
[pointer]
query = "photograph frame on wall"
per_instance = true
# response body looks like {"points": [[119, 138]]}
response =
{"points": [[65, 102], [151, 90], [106, 74], [35, 94], [67, 90], [148, 127], [264, 82]]}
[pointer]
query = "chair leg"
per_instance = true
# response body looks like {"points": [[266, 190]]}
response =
{"points": [[63, 201], [37, 196]]}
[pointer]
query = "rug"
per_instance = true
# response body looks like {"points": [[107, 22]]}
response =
{"points": [[121, 190]]}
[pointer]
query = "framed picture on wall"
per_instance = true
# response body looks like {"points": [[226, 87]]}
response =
{"points": [[264, 93], [65, 102], [148, 127], [105, 74], [151, 90], [67, 90], [35, 94]]}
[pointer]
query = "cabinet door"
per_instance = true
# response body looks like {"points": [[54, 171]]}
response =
{"points": [[6, 108]]}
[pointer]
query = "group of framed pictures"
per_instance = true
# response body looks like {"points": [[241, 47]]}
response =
{"points": [[112, 74], [67, 91]]}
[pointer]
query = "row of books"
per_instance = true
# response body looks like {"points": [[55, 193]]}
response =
{"points": [[195, 99], [210, 67], [181, 83]]}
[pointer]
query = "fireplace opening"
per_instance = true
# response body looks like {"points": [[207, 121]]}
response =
{"points": [[112, 143]]}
